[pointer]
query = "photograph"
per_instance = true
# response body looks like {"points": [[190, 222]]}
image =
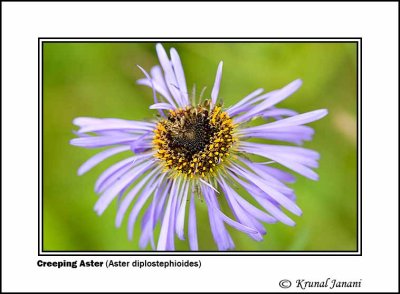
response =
{"points": [[244, 146]]}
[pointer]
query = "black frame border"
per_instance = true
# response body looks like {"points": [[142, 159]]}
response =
{"points": [[357, 40]]}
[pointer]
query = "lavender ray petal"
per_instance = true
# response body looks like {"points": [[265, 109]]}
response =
{"points": [[94, 142], [274, 99], [105, 178], [217, 83], [277, 173], [232, 110], [164, 232], [161, 203], [192, 231], [258, 195], [296, 120], [269, 179], [180, 221], [110, 193], [159, 89], [153, 89], [180, 75], [144, 196], [99, 157], [220, 234], [158, 78], [165, 106], [123, 207], [241, 215], [174, 209], [276, 195], [169, 74], [148, 222], [297, 162], [278, 112], [107, 124]]}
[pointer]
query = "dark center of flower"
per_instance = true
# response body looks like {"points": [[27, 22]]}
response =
{"points": [[194, 140]]}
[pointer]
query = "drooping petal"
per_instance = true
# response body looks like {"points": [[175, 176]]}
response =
{"points": [[180, 221], [164, 240], [154, 213], [239, 212], [144, 196], [192, 232], [220, 234]]}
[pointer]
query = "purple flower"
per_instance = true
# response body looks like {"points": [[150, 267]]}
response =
{"points": [[199, 151]]}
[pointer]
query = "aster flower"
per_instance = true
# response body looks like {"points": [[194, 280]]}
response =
{"points": [[197, 153]]}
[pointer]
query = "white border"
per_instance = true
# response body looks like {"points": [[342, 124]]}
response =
{"points": [[376, 22]]}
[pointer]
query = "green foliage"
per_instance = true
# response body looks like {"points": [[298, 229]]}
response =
{"points": [[98, 80]]}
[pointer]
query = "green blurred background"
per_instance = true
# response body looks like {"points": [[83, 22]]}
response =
{"points": [[98, 80]]}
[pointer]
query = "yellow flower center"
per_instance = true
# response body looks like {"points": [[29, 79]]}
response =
{"points": [[194, 141]]}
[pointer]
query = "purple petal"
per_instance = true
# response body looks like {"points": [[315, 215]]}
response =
{"points": [[241, 215], [180, 221], [152, 88], [259, 196], [158, 88], [158, 78], [180, 75], [94, 142], [192, 225], [166, 106], [276, 195], [274, 99], [110, 193], [144, 196], [277, 173], [220, 234], [233, 110], [169, 74], [107, 124], [268, 178], [295, 158], [296, 120], [99, 157], [123, 207], [217, 83], [155, 211], [126, 164], [164, 240], [278, 112]]}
